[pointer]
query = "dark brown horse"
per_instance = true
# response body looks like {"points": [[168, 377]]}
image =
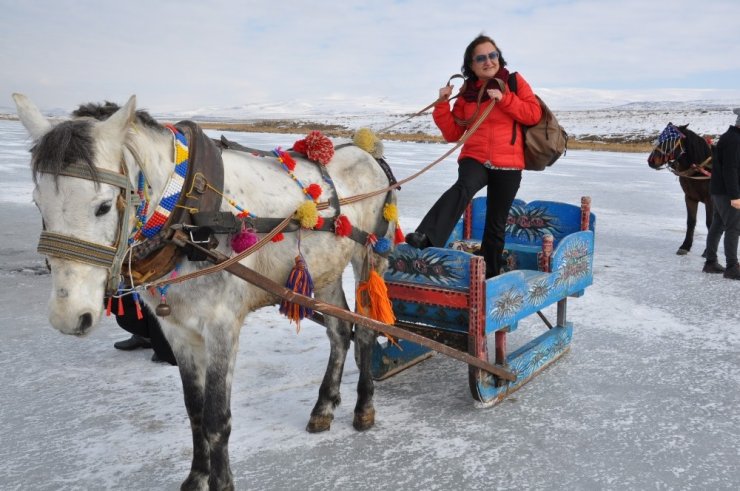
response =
{"points": [[689, 156]]}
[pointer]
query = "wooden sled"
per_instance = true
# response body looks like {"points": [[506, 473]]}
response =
{"points": [[442, 293]]}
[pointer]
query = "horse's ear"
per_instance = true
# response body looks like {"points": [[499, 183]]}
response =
{"points": [[117, 125], [35, 122]]}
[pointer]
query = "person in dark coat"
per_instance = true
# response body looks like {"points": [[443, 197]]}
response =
{"points": [[145, 332], [725, 190]]}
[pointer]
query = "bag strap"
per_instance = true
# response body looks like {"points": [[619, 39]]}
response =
{"points": [[512, 87]]}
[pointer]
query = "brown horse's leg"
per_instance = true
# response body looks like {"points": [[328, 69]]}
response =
{"points": [[691, 208]]}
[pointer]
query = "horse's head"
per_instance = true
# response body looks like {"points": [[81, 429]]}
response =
{"points": [[76, 169], [668, 147]]}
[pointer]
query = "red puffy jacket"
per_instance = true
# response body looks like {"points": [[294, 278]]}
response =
{"points": [[492, 140]]}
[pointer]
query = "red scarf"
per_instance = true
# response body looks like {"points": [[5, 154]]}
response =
{"points": [[470, 90]]}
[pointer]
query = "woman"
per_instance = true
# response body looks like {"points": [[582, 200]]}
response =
{"points": [[493, 156]]}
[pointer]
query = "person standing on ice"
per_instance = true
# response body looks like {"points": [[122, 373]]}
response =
{"points": [[492, 156], [725, 190]]}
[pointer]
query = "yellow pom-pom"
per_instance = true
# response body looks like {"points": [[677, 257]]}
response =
{"points": [[307, 214], [369, 142], [390, 212]]}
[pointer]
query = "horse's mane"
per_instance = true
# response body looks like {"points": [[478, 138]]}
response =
{"points": [[66, 143], [72, 141], [103, 111], [696, 146]]}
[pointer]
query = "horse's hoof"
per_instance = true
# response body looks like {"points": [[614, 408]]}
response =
{"points": [[196, 481], [317, 424], [682, 252], [364, 421]]}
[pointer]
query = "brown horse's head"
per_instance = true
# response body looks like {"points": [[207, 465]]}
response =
{"points": [[668, 147]]}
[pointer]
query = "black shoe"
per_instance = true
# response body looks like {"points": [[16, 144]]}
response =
{"points": [[418, 240], [713, 267], [132, 343], [156, 359], [733, 273]]}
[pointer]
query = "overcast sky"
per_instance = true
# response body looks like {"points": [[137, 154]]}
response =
{"points": [[177, 55]]}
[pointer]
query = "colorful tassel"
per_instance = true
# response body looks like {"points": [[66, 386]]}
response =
{"points": [[278, 237], [319, 223], [398, 237], [390, 212], [307, 214], [108, 306], [372, 299], [120, 306], [243, 240], [319, 147], [313, 190], [342, 226], [382, 245], [299, 281], [300, 147], [137, 303]]}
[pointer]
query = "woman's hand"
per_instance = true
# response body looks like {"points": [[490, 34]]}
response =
{"points": [[445, 92], [735, 203], [495, 94]]}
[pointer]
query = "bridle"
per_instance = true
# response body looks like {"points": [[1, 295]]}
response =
{"points": [[673, 149], [82, 251]]}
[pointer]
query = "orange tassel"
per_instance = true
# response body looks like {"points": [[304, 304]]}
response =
{"points": [[278, 237], [108, 306], [378, 306], [120, 306]]}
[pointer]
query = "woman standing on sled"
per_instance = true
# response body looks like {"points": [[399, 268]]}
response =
{"points": [[493, 156]]}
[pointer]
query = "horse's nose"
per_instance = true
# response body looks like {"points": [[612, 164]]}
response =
{"points": [[84, 323]]}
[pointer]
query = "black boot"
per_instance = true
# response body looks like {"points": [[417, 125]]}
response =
{"points": [[132, 343], [418, 240], [713, 267], [733, 272]]}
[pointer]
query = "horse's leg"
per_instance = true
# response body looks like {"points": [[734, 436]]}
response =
{"points": [[221, 346], [191, 364], [691, 208], [339, 333], [364, 410]]}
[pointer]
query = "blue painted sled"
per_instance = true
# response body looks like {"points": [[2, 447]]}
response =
{"points": [[442, 293]]}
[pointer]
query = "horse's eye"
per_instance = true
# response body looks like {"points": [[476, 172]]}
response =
{"points": [[103, 209]]}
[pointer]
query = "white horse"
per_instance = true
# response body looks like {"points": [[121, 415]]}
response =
{"points": [[207, 312]]}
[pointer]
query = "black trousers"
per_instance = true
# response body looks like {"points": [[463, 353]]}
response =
{"points": [[472, 176], [147, 327], [724, 219]]}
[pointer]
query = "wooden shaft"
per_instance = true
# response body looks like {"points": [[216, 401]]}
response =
{"points": [[270, 286]]}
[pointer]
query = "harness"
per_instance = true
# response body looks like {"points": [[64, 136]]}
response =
{"points": [[193, 209]]}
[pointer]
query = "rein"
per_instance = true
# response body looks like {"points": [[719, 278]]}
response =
{"points": [[320, 206]]}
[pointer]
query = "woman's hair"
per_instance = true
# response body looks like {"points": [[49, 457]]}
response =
{"points": [[468, 58]]}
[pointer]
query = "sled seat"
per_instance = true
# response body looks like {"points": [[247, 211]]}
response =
{"points": [[526, 226]]}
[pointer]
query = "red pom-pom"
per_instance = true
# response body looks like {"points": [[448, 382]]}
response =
{"points": [[314, 191], [342, 226], [398, 238], [319, 147], [243, 241], [278, 237], [319, 223], [300, 146], [287, 159]]}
